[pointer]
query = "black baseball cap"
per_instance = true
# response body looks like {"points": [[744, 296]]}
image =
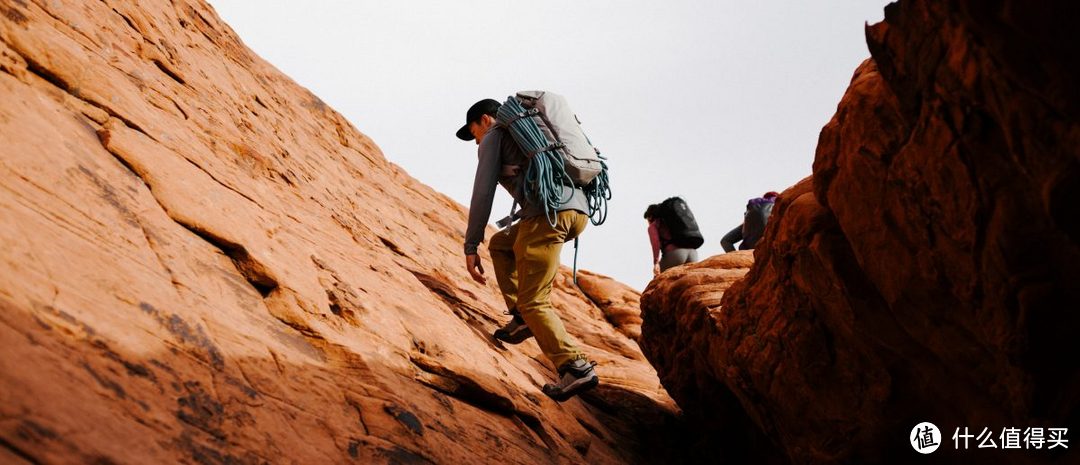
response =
{"points": [[484, 107]]}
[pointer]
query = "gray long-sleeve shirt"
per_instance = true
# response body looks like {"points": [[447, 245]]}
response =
{"points": [[496, 155]]}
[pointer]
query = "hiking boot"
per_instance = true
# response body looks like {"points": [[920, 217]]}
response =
{"points": [[575, 377], [514, 332]]}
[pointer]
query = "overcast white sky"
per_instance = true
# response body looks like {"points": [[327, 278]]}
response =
{"points": [[716, 101]]}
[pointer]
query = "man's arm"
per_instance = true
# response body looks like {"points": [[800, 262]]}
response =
{"points": [[729, 239], [484, 184]]}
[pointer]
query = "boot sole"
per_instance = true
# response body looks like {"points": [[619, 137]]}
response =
{"points": [[574, 390]]}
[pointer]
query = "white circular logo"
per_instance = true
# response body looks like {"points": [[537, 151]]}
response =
{"points": [[925, 437]]}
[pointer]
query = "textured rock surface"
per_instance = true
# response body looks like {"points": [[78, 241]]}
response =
{"points": [[202, 263], [927, 272], [620, 304], [680, 336]]}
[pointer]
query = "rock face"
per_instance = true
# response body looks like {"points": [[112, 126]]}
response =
{"points": [[682, 310], [203, 263], [926, 272]]}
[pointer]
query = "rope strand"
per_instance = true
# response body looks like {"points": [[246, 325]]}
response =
{"points": [[546, 173]]}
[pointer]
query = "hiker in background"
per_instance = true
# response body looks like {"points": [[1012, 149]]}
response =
{"points": [[753, 225], [525, 256], [673, 234]]}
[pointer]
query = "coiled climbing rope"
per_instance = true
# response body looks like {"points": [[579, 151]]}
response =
{"points": [[546, 174]]}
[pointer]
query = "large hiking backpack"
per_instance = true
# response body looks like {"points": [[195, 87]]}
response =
{"points": [[680, 223], [559, 152]]}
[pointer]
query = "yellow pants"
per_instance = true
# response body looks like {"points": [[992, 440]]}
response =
{"points": [[526, 258]]}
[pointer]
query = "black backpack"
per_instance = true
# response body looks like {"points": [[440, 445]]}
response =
{"points": [[680, 223]]}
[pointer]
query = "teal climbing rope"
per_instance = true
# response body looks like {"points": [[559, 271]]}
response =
{"points": [[546, 174]]}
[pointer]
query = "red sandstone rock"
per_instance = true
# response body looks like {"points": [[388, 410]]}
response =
{"points": [[621, 304], [203, 263], [927, 272]]}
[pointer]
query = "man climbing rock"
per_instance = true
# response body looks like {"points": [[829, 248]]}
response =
{"points": [[525, 255], [753, 226]]}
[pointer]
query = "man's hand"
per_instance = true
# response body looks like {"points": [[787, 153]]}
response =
{"points": [[472, 263]]}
